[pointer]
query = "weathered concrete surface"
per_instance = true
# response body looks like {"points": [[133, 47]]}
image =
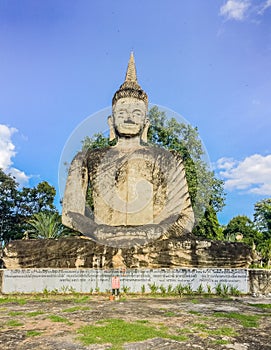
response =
{"points": [[138, 196], [143, 186], [260, 282], [169, 253]]}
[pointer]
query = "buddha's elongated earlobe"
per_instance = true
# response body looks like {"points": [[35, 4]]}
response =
{"points": [[112, 134], [144, 136]]}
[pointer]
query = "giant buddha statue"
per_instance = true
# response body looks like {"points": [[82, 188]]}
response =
{"points": [[139, 191]]}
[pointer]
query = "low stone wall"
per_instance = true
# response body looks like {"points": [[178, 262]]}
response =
{"points": [[183, 252], [260, 282], [257, 282]]}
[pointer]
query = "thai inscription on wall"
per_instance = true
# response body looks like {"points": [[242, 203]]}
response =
{"points": [[86, 280]]}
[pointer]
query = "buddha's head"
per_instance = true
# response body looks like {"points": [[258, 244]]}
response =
{"points": [[129, 107]]}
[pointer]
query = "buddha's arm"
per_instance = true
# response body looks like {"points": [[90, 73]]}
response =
{"points": [[74, 200]]}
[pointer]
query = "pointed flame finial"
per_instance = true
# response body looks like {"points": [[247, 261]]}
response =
{"points": [[131, 69], [130, 87]]}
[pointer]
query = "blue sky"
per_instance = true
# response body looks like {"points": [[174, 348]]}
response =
{"points": [[210, 61]]}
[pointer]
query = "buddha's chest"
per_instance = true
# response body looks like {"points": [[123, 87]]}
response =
{"points": [[125, 188]]}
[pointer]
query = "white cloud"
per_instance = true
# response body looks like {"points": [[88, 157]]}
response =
{"points": [[7, 152], [252, 175], [239, 10], [264, 7], [235, 9], [7, 149]]}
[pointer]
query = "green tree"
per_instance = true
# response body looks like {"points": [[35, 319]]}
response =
{"points": [[242, 226], [262, 220], [36, 199], [265, 249], [209, 226], [206, 191], [18, 205], [47, 225], [8, 196], [97, 141], [204, 188], [262, 217], [30, 201]]}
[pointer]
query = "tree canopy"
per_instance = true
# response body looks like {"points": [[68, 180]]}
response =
{"points": [[17, 205], [242, 228], [204, 188], [262, 217], [8, 200], [255, 233], [47, 225]]}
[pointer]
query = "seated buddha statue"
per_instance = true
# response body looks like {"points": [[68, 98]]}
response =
{"points": [[139, 191]]}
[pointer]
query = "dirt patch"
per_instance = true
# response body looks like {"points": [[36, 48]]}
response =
{"points": [[52, 322]]}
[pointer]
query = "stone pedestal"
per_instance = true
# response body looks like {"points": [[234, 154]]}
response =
{"points": [[76, 252]]}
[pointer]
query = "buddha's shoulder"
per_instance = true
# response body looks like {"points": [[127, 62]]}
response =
{"points": [[97, 152], [90, 155]]}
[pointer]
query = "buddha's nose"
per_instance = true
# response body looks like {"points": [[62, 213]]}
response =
{"points": [[129, 121], [129, 118]]}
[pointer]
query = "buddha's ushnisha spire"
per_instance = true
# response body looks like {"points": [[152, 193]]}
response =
{"points": [[130, 87], [131, 70]]}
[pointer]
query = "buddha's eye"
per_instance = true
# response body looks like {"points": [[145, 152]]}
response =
{"points": [[137, 113], [121, 113]]}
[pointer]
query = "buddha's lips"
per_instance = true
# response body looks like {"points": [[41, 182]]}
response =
{"points": [[129, 122]]}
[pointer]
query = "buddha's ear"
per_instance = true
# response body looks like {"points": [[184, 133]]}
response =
{"points": [[112, 134], [144, 136]]}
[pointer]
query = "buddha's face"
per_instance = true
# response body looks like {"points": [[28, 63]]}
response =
{"points": [[129, 116]]}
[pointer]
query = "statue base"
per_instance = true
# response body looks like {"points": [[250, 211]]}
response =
{"points": [[81, 252]]}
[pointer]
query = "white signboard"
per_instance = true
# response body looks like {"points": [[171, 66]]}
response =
{"points": [[88, 280]]}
